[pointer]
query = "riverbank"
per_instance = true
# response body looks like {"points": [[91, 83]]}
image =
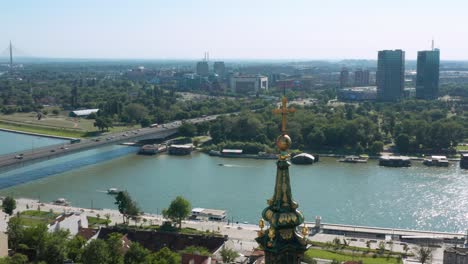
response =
{"points": [[242, 236]]}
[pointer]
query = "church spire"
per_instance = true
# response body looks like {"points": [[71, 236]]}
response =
{"points": [[281, 241]]}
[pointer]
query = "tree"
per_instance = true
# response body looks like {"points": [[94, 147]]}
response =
{"points": [[423, 254], [403, 143], [381, 249], [18, 259], [136, 254], [195, 250], [135, 112], [178, 210], [127, 207], [164, 256], [376, 147], [35, 239], [96, 252], [103, 123], [75, 248], [145, 122], [315, 139], [228, 255], [187, 130], [114, 245], [55, 248], [405, 248], [9, 205], [15, 231], [107, 216]]}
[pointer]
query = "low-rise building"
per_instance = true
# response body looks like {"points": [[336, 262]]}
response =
{"points": [[82, 113], [456, 256], [368, 93], [208, 214], [249, 84], [180, 149], [72, 222]]}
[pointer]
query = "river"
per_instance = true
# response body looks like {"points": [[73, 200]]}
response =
{"points": [[418, 197], [14, 142]]}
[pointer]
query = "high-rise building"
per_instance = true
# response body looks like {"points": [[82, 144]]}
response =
{"points": [[219, 68], [427, 77], [361, 77], [203, 68], [344, 77], [390, 75]]}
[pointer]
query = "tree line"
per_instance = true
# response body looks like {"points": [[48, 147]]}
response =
{"points": [[412, 126]]}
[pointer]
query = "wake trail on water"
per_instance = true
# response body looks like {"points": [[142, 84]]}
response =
{"points": [[236, 166]]}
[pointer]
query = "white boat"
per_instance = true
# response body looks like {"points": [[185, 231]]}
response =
{"points": [[61, 201], [112, 191]]}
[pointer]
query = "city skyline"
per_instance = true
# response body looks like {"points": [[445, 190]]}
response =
{"points": [[298, 30]]}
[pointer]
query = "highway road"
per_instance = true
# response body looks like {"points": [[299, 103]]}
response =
{"points": [[23, 158]]}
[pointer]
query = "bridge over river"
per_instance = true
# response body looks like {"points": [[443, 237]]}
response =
{"points": [[12, 160]]}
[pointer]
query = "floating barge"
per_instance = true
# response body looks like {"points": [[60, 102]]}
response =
{"points": [[437, 161], [180, 150], [152, 149], [464, 161], [234, 153], [353, 159], [395, 161]]}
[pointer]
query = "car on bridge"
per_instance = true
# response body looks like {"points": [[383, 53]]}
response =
{"points": [[19, 156]]}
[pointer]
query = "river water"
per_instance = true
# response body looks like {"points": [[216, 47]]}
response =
{"points": [[14, 142], [418, 197]]}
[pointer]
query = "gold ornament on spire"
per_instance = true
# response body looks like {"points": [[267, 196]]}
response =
{"points": [[284, 111], [283, 142]]}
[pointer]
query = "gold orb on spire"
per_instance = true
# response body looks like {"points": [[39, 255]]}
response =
{"points": [[283, 142]]}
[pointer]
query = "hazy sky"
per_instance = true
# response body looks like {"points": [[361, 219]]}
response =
{"points": [[246, 29]]}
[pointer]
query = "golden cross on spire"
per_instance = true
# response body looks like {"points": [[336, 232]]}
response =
{"points": [[284, 110]]}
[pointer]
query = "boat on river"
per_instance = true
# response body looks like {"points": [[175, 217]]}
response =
{"points": [[303, 159], [61, 201], [464, 161], [395, 161], [112, 191], [437, 161], [353, 159]]}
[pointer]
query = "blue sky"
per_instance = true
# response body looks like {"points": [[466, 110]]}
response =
{"points": [[237, 29]]}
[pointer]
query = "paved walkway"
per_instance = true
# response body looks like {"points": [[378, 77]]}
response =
{"points": [[241, 236]]}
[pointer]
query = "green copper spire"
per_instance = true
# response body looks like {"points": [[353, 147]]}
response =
{"points": [[281, 241]]}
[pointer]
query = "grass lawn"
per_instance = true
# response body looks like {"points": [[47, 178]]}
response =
{"points": [[95, 222], [57, 125], [34, 217], [462, 148], [325, 254], [40, 130]]}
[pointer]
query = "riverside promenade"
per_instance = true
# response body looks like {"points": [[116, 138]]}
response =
{"points": [[242, 236]]}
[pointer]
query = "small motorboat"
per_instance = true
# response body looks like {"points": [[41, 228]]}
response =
{"points": [[61, 201], [112, 191]]}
